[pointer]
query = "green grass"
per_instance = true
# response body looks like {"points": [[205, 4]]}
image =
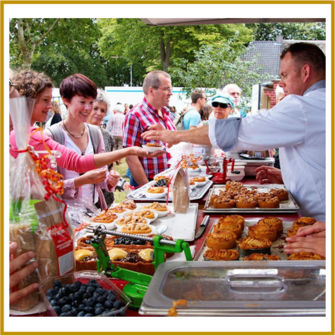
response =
{"points": [[121, 169]]}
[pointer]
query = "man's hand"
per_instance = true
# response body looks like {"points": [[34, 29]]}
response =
{"points": [[141, 152], [158, 132], [266, 174], [17, 275], [309, 238]]}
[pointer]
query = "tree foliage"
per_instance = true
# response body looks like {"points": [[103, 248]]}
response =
{"points": [[289, 31], [214, 67]]}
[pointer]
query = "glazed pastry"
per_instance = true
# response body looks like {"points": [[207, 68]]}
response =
{"points": [[262, 231], [216, 255], [131, 219], [303, 221], [261, 256], [118, 209], [226, 239], [249, 243], [145, 213], [305, 256], [271, 202], [129, 204], [235, 218], [282, 194], [233, 184], [229, 225], [245, 202], [273, 222], [156, 206], [223, 203], [199, 179]]}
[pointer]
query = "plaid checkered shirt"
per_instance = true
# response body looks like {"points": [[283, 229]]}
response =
{"points": [[137, 120]]}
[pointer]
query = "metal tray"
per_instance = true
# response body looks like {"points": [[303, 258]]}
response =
{"points": [[277, 247], [266, 288], [289, 206], [139, 194]]}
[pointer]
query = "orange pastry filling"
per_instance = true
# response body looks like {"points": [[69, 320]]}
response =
{"points": [[155, 190], [216, 255], [105, 217], [136, 229]]}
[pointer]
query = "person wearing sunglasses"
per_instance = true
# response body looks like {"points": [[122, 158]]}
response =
{"points": [[223, 105]]}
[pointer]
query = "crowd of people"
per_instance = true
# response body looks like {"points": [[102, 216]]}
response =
{"points": [[296, 125]]}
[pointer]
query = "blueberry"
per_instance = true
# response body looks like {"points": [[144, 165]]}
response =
{"points": [[95, 295], [98, 311], [65, 291], [58, 296], [90, 302], [73, 288], [77, 295], [56, 283], [51, 292], [117, 304], [78, 284], [93, 282], [64, 314], [57, 309], [91, 289], [71, 297], [88, 315], [63, 301], [98, 305], [53, 302], [89, 310], [76, 303], [111, 297], [100, 291], [108, 304], [66, 308], [81, 313], [81, 306], [87, 295], [74, 312], [101, 299]]}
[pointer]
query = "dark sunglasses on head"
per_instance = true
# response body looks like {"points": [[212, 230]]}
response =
{"points": [[216, 104]]}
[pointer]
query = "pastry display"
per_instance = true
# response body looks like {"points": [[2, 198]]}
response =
{"points": [[105, 217], [225, 239], [261, 256], [216, 255], [136, 229], [305, 256]]}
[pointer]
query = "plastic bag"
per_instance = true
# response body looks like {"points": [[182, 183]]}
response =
{"points": [[37, 213]]}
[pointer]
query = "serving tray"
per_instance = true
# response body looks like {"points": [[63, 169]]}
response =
{"points": [[139, 194], [289, 206], [277, 247]]}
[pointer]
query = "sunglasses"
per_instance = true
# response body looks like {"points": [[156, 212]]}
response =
{"points": [[216, 104]]}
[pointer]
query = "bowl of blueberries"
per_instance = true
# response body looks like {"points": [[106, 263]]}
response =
{"points": [[85, 293]]}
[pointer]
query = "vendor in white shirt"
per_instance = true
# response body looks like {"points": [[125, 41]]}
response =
{"points": [[296, 125]]}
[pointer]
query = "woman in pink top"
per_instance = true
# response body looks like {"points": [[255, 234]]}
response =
{"points": [[38, 86]]}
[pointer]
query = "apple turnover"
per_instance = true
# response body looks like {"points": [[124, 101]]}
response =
{"points": [[217, 255], [226, 239], [262, 231]]}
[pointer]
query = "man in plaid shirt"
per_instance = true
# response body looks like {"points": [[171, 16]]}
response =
{"points": [[152, 110]]}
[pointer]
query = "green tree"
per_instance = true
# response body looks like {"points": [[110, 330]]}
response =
{"points": [[25, 37], [216, 66], [289, 31], [158, 47]]}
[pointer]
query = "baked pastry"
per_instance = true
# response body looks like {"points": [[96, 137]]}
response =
{"points": [[262, 231], [249, 245], [131, 219], [153, 144], [297, 224], [162, 177], [191, 181], [156, 206], [282, 194], [216, 255], [245, 202], [118, 209], [228, 225], [305, 256], [273, 222], [136, 228], [145, 213], [261, 256], [199, 179], [155, 190], [268, 202], [221, 202], [226, 239], [129, 204], [105, 217], [235, 218], [233, 184]]}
